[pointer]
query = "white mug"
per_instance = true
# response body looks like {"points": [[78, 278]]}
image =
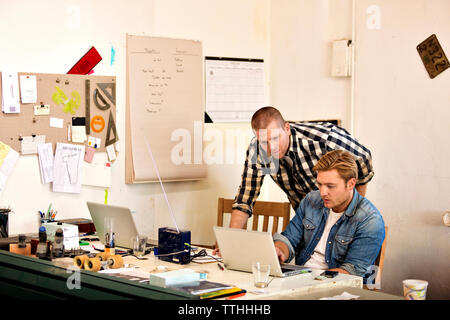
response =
{"points": [[446, 218]]}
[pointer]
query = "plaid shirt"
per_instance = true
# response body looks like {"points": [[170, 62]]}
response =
{"points": [[294, 172]]}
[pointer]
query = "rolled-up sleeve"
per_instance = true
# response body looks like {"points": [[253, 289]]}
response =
{"points": [[252, 179]]}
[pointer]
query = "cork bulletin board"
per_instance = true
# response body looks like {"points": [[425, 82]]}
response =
{"points": [[66, 99]]}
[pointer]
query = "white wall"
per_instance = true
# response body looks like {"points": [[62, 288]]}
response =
{"points": [[301, 35], [401, 115], [404, 116], [50, 36]]}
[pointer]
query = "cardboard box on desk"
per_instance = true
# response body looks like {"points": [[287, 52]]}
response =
{"points": [[84, 225], [70, 232]]}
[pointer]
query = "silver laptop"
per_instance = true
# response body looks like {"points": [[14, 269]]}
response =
{"points": [[124, 227], [240, 248]]}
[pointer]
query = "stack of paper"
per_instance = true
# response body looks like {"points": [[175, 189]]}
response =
{"points": [[176, 277], [8, 158], [208, 290]]}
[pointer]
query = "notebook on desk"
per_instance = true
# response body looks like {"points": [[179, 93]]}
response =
{"points": [[241, 248], [124, 227]]}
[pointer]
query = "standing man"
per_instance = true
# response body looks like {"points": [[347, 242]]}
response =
{"points": [[288, 152], [334, 227]]}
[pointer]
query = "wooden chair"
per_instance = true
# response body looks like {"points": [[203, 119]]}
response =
{"points": [[266, 209], [379, 261]]}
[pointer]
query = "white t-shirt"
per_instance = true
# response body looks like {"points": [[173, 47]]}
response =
{"points": [[317, 260]]}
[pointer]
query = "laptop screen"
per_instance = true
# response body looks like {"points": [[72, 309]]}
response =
{"points": [[241, 248], [123, 226]]}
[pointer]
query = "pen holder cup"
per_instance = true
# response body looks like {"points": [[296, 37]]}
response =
{"points": [[47, 220]]}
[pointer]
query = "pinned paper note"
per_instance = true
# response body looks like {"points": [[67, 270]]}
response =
{"points": [[8, 159], [94, 142], [67, 168], [79, 129], [111, 152], [10, 92], [96, 174], [42, 110], [90, 151], [29, 144], [28, 89], [56, 122], [45, 152]]}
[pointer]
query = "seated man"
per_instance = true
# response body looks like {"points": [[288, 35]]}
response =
{"points": [[346, 238]]}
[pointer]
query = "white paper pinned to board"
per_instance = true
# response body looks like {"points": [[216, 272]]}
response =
{"points": [[29, 144], [96, 174], [45, 152], [28, 89], [67, 168]]}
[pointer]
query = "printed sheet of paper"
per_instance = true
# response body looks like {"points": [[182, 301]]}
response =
{"points": [[96, 174], [29, 144], [8, 158], [234, 89], [45, 152], [67, 168], [111, 151], [28, 89], [94, 142], [56, 122], [10, 92], [79, 134]]}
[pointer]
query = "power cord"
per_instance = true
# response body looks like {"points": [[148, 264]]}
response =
{"points": [[203, 253]]}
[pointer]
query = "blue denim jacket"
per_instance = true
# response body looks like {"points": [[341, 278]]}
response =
{"points": [[353, 243]]}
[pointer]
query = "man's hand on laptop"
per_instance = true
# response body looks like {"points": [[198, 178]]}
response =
{"points": [[216, 251], [282, 251]]}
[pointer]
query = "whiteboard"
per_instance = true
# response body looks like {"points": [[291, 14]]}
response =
{"points": [[165, 109]]}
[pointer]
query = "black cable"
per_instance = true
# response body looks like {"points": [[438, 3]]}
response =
{"points": [[203, 253]]}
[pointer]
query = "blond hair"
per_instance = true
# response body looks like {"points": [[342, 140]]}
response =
{"points": [[342, 161], [264, 116]]}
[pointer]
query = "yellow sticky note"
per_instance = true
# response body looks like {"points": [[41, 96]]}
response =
{"points": [[4, 149]]}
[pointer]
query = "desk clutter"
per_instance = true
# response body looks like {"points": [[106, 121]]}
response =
{"points": [[95, 262], [62, 244]]}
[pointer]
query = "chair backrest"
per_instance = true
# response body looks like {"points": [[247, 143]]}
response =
{"points": [[266, 209], [379, 261]]}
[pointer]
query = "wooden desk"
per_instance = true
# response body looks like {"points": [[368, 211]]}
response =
{"points": [[363, 294], [279, 288], [53, 274]]}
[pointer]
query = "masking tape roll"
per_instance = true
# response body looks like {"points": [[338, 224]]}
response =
{"points": [[115, 262], [93, 264], [79, 261]]}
